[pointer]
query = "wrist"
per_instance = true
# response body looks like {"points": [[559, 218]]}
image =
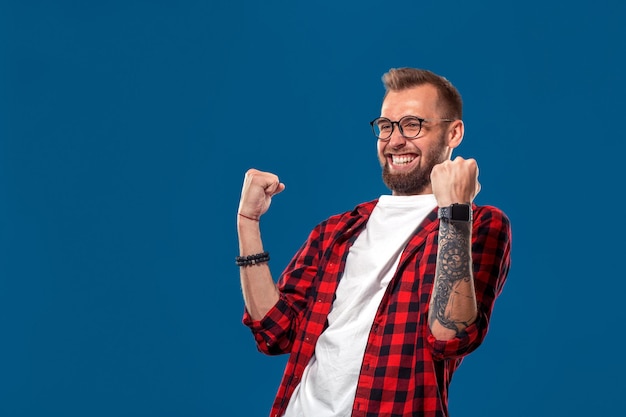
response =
{"points": [[248, 217], [456, 212]]}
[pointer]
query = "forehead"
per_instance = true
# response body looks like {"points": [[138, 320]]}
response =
{"points": [[417, 101]]}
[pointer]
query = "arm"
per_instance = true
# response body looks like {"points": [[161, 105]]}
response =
{"points": [[453, 304], [491, 260], [259, 290]]}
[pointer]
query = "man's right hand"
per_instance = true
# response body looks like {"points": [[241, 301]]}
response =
{"points": [[256, 194]]}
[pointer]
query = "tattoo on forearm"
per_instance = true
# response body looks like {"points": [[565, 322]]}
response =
{"points": [[453, 269]]}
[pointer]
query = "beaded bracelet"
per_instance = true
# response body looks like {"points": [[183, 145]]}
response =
{"points": [[257, 258]]}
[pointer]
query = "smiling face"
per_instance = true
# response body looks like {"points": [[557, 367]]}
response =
{"points": [[407, 163]]}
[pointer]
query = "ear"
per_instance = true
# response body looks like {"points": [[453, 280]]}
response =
{"points": [[456, 130]]}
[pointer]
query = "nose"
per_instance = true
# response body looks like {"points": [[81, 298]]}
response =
{"points": [[396, 140]]}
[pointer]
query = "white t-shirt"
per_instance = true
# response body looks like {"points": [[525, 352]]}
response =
{"points": [[328, 385]]}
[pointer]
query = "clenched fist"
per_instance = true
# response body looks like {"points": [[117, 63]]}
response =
{"points": [[257, 191], [455, 181]]}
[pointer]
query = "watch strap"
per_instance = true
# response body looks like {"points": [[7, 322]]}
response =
{"points": [[456, 213]]}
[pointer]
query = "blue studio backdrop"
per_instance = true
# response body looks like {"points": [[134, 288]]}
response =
{"points": [[126, 128]]}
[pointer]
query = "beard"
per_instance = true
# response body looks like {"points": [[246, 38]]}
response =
{"points": [[415, 181], [407, 183]]}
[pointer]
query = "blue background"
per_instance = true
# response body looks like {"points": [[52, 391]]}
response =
{"points": [[125, 131]]}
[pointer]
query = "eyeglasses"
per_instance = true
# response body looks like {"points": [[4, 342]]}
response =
{"points": [[409, 126]]}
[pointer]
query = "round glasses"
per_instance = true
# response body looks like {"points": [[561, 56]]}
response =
{"points": [[409, 126]]}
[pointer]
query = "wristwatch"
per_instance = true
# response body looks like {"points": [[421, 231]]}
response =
{"points": [[456, 213]]}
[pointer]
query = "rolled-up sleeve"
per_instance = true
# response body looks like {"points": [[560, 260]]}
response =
{"points": [[491, 246]]}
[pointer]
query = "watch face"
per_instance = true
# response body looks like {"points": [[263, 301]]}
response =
{"points": [[460, 212]]}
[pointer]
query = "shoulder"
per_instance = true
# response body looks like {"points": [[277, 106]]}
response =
{"points": [[361, 211], [492, 218], [488, 210]]}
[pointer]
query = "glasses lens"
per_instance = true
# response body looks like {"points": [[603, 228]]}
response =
{"points": [[411, 126], [382, 128]]}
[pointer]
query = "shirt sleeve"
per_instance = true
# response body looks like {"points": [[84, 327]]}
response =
{"points": [[491, 247], [272, 332]]}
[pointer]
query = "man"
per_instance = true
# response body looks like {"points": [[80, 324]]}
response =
{"points": [[381, 303]]}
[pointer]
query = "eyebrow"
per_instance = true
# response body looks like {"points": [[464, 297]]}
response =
{"points": [[406, 115]]}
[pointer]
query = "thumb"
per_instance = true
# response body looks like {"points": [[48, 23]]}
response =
{"points": [[275, 188]]}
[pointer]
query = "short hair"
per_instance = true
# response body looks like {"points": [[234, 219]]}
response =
{"points": [[397, 79]]}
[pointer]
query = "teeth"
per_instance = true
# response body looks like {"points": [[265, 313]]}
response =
{"points": [[401, 159]]}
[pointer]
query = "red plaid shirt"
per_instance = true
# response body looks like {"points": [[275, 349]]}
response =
{"points": [[405, 370]]}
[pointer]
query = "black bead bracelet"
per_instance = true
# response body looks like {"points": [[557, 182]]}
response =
{"points": [[257, 258]]}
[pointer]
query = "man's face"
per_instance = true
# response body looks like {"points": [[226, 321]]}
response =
{"points": [[407, 163]]}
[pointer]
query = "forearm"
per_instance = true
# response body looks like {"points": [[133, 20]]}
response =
{"points": [[453, 302], [259, 290]]}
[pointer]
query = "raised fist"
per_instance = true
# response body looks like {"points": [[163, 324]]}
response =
{"points": [[257, 191], [455, 181]]}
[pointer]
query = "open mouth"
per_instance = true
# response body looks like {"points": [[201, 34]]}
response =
{"points": [[402, 161]]}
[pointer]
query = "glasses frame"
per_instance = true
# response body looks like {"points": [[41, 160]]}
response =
{"points": [[420, 119]]}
